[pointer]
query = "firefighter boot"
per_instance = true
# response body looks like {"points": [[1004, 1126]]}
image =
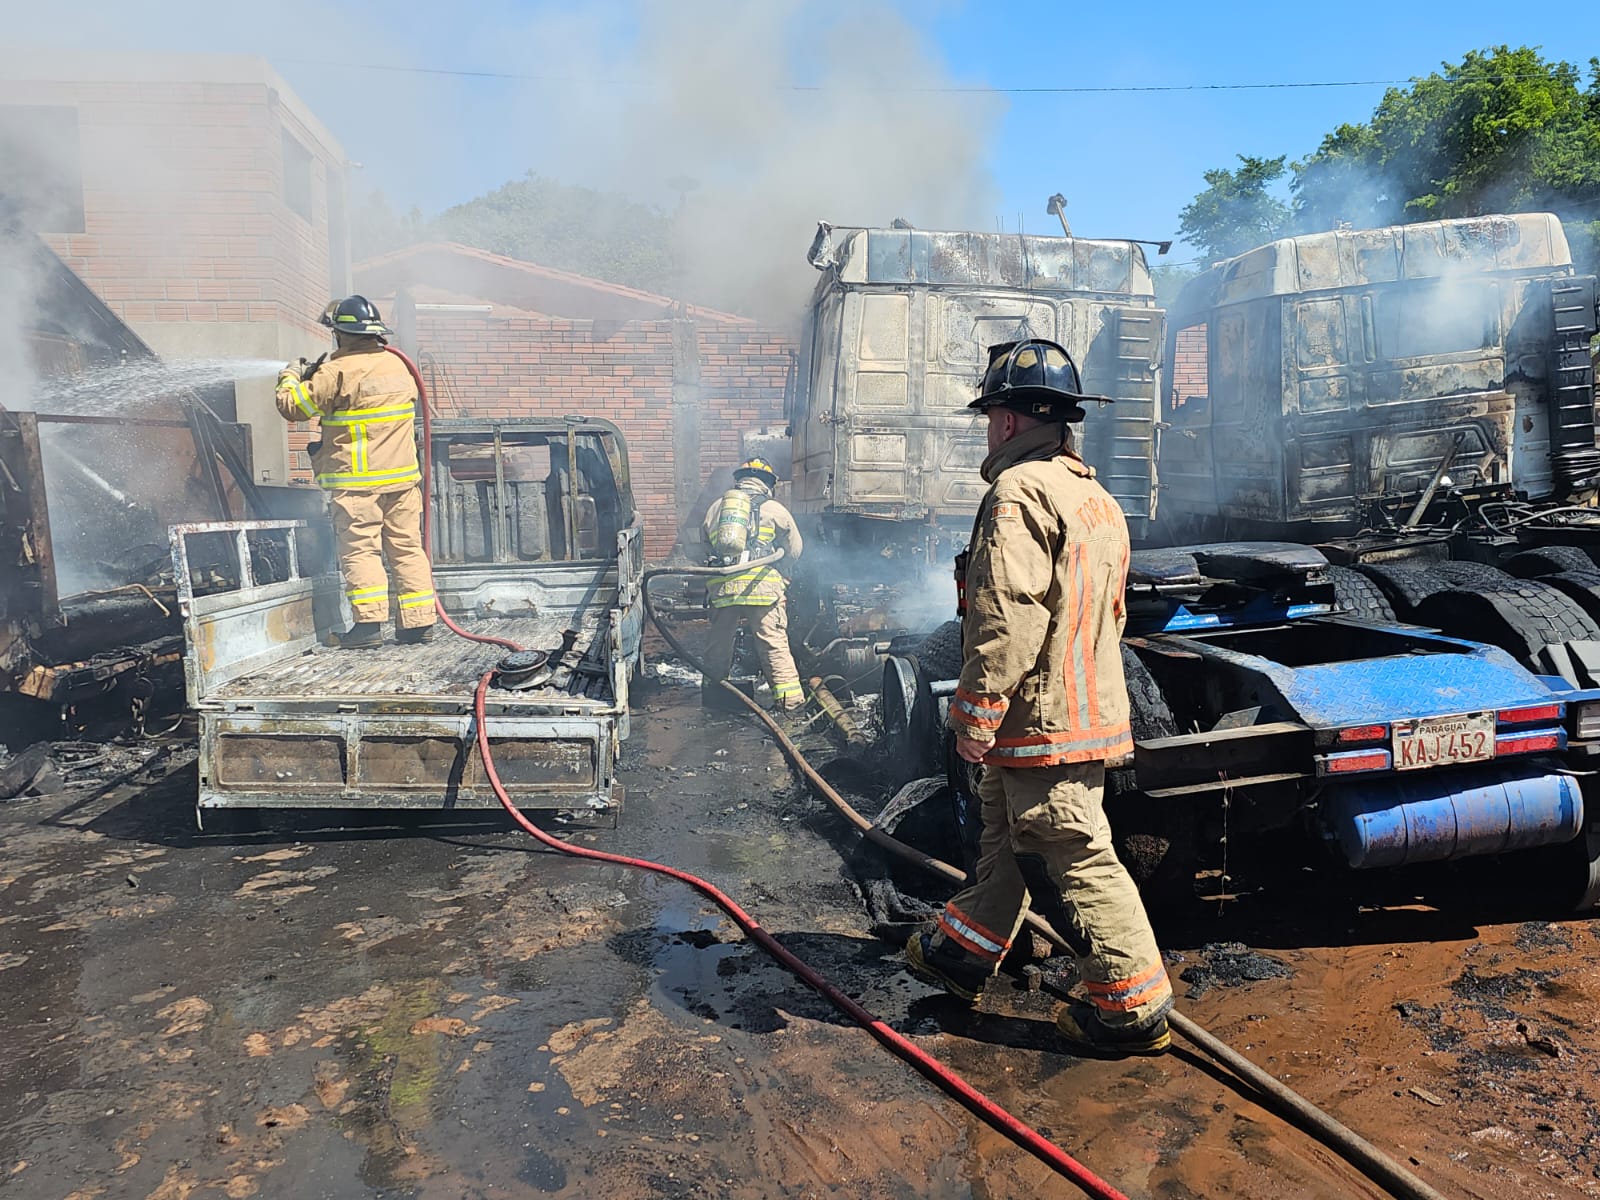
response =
{"points": [[1086, 1034], [415, 636], [945, 967], [363, 635]]}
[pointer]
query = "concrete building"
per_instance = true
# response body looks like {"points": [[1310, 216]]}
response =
{"points": [[196, 194]]}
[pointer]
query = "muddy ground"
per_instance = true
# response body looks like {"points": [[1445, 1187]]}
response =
{"points": [[450, 1011]]}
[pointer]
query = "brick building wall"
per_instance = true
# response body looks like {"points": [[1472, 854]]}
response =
{"points": [[1189, 377], [530, 365], [743, 372], [199, 190], [197, 196]]}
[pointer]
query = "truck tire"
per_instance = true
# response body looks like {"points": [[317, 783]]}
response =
{"points": [[1360, 597], [1549, 560], [1405, 584], [1466, 574], [1521, 620], [1155, 840], [940, 652], [1584, 855], [1581, 586]]}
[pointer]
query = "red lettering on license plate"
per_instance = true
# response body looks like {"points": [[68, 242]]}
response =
{"points": [[1440, 741]]}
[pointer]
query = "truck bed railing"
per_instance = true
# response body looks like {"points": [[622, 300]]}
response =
{"points": [[244, 600]]}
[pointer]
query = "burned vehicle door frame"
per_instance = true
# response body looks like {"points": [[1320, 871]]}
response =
{"points": [[77, 490]]}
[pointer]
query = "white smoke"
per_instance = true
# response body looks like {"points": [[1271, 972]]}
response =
{"points": [[762, 119], [17, 287]]}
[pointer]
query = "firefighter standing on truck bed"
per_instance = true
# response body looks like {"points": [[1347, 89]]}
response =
{"points": [[746, 523], [1042, 704], [366, 402]]}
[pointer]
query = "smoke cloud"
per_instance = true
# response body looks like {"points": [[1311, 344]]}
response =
{"points": [[750, 122], [761, 119], [17, 288]]}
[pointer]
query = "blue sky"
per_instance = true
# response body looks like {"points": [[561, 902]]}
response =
{"points": [[1127, 162]]}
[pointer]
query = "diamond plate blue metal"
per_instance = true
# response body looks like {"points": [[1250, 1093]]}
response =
{"points": [[1462, 677]]}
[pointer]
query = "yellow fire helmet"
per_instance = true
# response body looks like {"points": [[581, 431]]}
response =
{"points": [[757, 468]]}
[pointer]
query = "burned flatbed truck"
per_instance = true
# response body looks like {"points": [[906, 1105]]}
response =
{"points": [[535, 539]]}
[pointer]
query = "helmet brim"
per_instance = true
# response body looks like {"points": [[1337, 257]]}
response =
{"points": [[1023, 399]]}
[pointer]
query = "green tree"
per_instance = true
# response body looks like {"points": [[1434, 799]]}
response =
{"points": [[1169, 279], [600, 234], [1236, 211], [1501, 131], [575, 229], [375, 228]]}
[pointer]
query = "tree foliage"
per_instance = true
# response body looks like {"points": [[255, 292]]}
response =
{"points": [[593, 233], [1503, 130], [1236, 211], [1168, 280]]}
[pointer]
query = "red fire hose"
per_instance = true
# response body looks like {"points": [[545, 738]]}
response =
{"points": [[1019, 1132]]}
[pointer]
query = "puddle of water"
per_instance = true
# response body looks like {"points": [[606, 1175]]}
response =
{"points": [[540, 1171], [687, 961]]}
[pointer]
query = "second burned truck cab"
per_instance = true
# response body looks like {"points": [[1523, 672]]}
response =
{"points": [[1317, 378]]}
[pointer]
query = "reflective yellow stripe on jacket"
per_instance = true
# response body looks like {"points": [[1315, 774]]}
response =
{"points": [[762, 585], [359, 478], [367, 402], [360, 416], [302, 398]]}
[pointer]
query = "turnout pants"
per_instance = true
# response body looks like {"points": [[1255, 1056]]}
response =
{"points": [[1046, 842], [372, 527], [769, 625]]}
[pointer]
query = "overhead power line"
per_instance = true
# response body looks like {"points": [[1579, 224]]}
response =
{"points": [[953, 89]]}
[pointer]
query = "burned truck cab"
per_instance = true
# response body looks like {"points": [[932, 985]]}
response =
{"points": [[1319, 382], [884, 454]]}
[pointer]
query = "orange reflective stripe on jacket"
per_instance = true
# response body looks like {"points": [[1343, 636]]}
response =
{"points": [[975, 712], [1041, 678], [1048, 749]]}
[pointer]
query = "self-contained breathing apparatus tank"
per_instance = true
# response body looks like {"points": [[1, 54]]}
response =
{"points": [[739, 516], [730, 540]]}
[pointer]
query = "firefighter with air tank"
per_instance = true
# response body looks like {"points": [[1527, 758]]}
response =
{"points": [[743, 525], [366, 403], [1042, 705]]}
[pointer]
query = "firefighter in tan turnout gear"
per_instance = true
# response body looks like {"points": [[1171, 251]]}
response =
{"points": [[366, 402], [1041, 703], [746, 523]]}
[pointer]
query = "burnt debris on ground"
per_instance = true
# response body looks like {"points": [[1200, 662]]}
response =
{"points": [[1230, 964]]}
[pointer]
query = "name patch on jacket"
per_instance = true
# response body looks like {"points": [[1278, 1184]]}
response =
{"points": [[1097, 511]]}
